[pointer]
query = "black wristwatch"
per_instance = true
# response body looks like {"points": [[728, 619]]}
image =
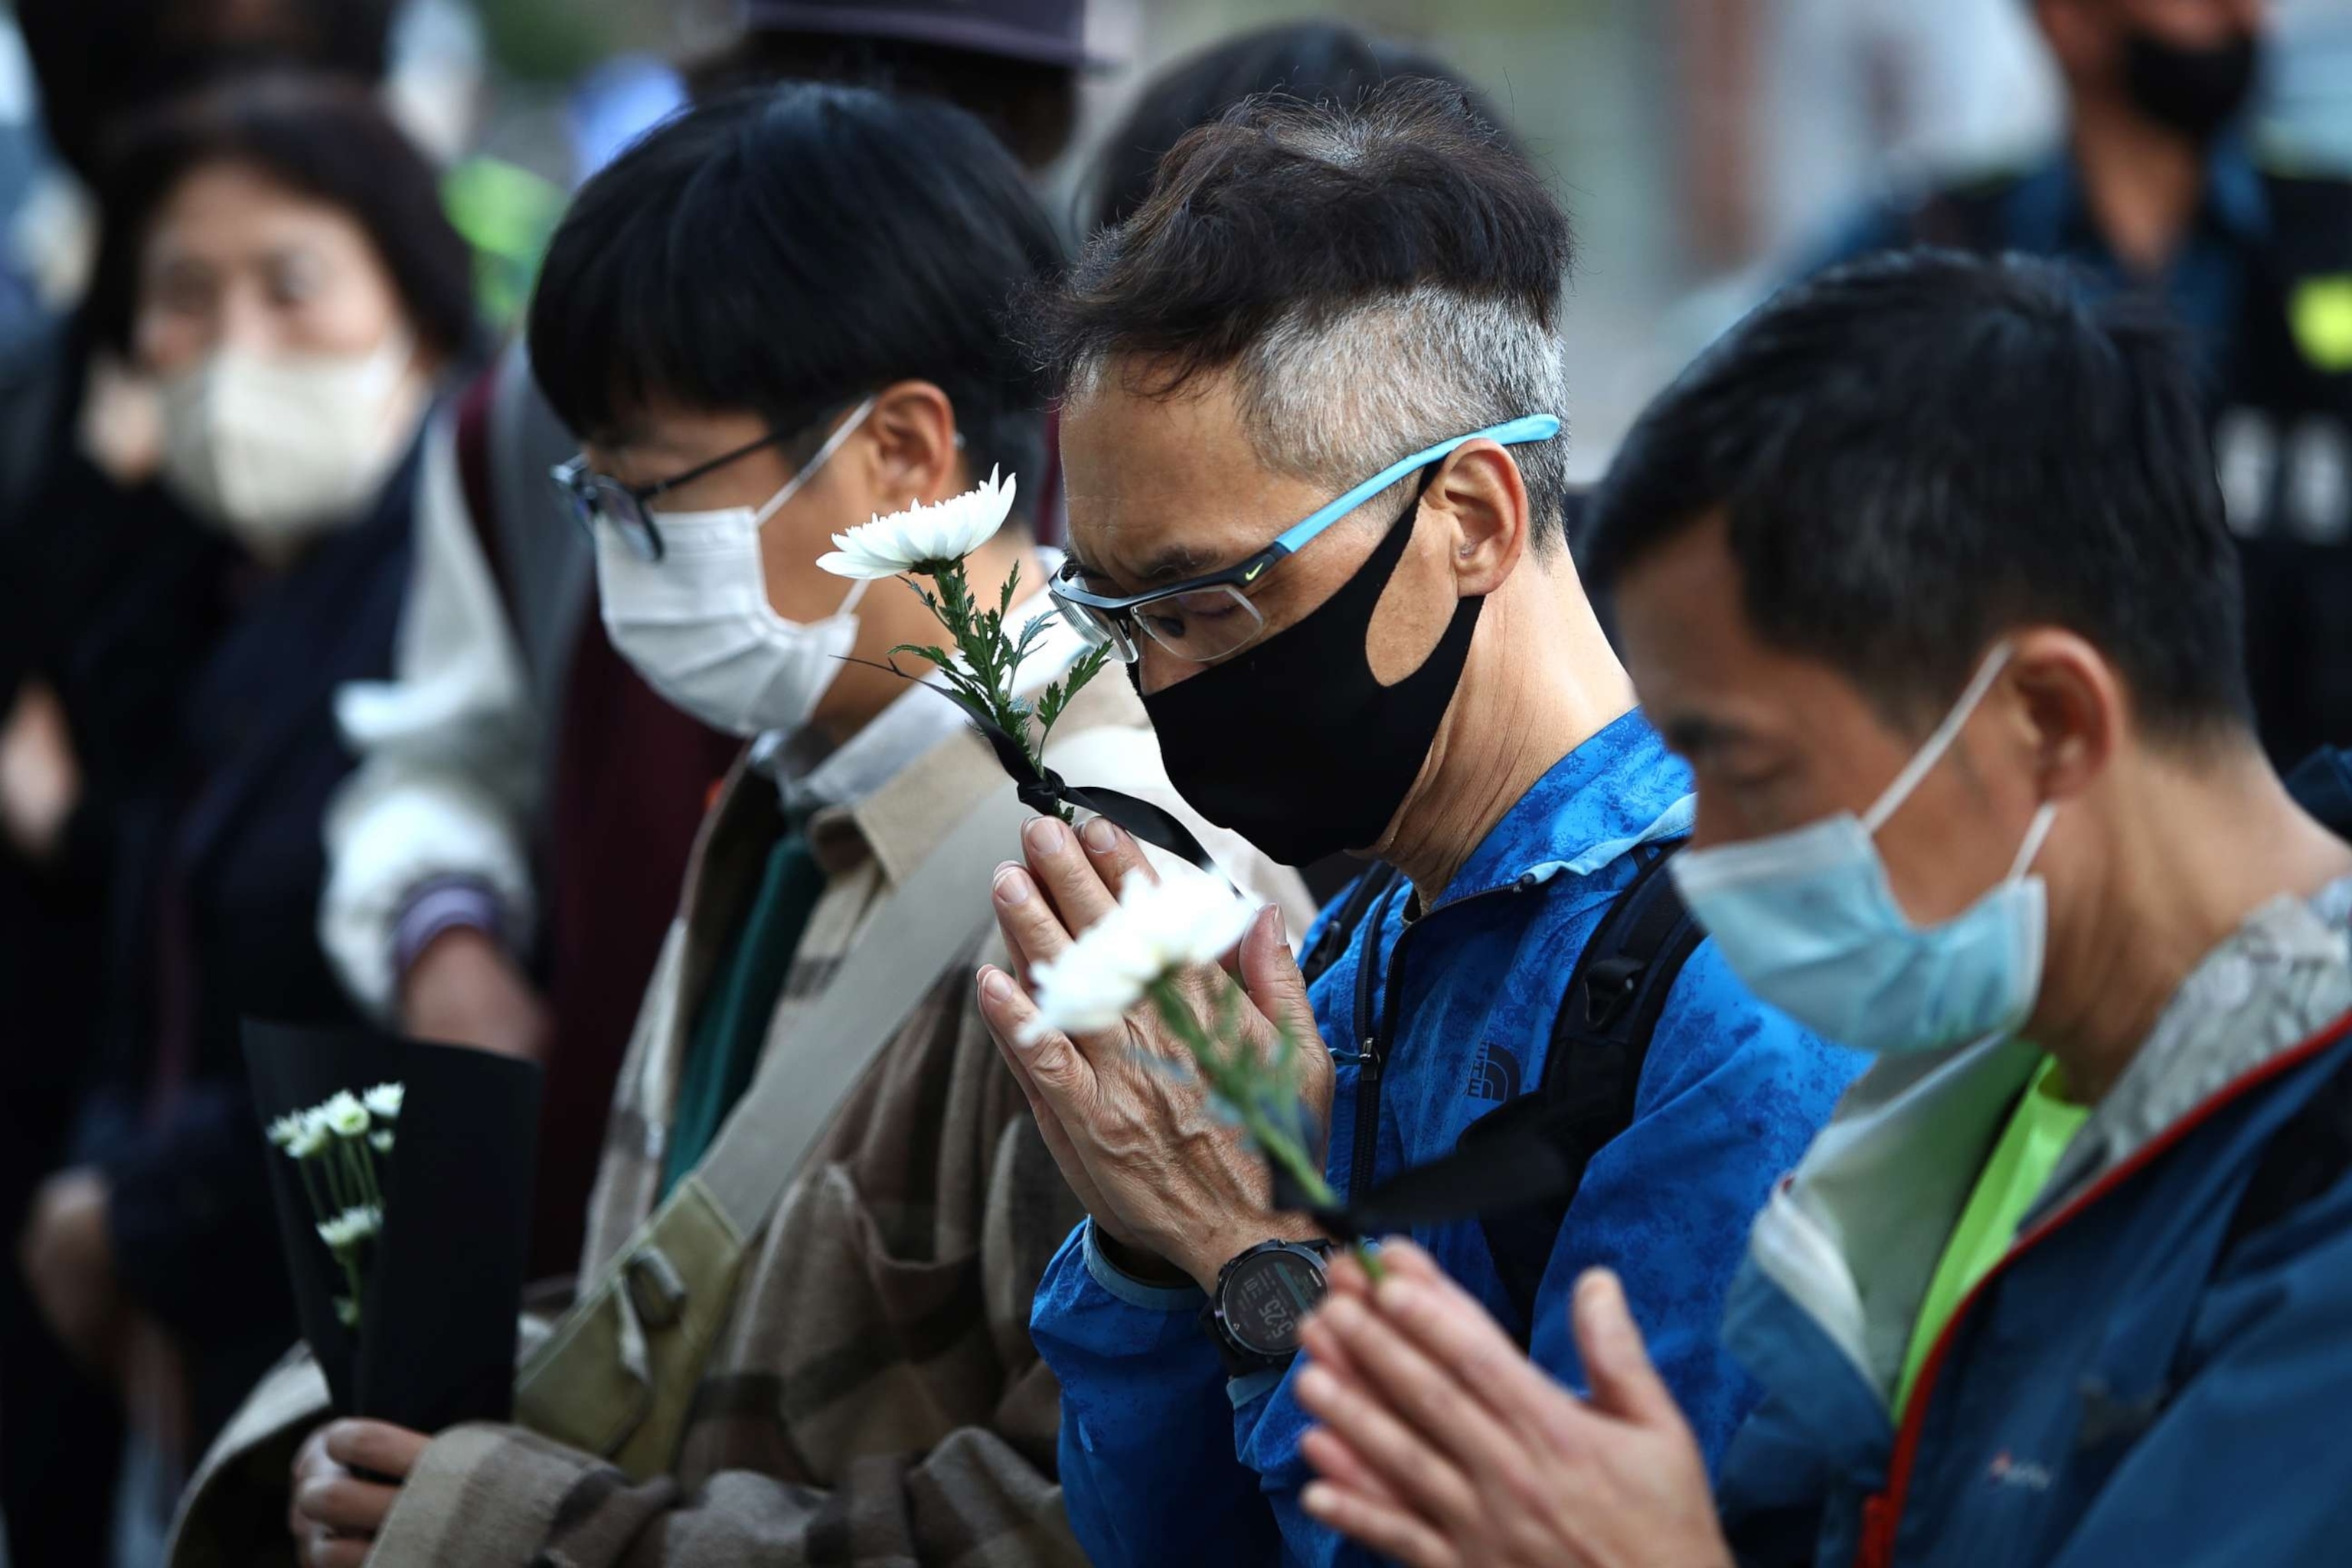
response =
{"points": [[1262, 1298]]}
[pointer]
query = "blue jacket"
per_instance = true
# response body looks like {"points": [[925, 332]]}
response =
{"points": [[1162, 1462], [2158, 1371]]}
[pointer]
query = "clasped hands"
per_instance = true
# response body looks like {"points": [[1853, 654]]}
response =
{"points": [[1440, 1444], [1173, 1190]]}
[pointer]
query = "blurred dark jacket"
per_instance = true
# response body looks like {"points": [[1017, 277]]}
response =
{"points": [[200, 694]]}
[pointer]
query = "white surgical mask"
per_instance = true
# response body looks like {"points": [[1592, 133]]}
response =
{"points": [[1808, 921], [274, 448], [697, 626]]}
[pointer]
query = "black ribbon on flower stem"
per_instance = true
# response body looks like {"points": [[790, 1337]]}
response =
{"points": [[1042, 790], [1477, 1178]]}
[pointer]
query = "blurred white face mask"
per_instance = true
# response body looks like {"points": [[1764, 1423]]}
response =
{"points": [[274, 448], [697, 626]]}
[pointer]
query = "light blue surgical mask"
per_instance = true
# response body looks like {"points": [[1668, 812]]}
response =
{"points": [[1808, 921]]}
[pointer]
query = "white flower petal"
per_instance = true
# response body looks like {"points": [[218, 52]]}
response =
{"points": [[384, 1099], [922, 536], [1158, 929], [344, 1115]]}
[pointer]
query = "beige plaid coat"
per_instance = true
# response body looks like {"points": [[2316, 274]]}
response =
{"points": [[874, 1398]]}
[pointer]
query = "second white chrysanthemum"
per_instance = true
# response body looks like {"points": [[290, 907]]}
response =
{"points": [[922, 536], [1158, 929]]}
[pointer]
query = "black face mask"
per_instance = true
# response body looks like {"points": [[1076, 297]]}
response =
{"points": [[2196, 92], [1293, 743]]}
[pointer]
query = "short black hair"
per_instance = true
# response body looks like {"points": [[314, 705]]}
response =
{"points": [[1919, 452], [325, 138], [1031, 106], [1315, 62], [98, 61], [789, 251]]}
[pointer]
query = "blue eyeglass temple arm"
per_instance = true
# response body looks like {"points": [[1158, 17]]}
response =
{"points": [[1516, 432]]}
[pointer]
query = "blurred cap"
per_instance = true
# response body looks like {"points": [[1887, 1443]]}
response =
{"points": [[1049, 32]]}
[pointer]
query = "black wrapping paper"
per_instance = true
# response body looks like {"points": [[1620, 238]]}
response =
{"points": [[436, 1339]]}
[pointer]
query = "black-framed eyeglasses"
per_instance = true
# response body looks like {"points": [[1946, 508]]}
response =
{"points": [[592, 497], [1211, 618]]}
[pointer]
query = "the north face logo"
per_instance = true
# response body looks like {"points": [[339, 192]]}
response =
{"points": [[1495, 1075]]}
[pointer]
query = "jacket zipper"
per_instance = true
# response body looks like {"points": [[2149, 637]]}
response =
{"points": [[1881, 1516], [1374, 1045]]}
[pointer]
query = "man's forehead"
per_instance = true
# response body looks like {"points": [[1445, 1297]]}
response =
{"points": [[1165, 487]]}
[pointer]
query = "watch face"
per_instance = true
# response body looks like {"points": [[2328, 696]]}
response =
{"points": [[1267, 1296]]}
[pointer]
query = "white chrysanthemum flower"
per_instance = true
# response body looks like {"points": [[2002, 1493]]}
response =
{"points": [[311, 1136], [354, 1225], [383, 1101], [287, 1130], [1158, 929], [380, 1142], [922, 536], [345, 1117]]}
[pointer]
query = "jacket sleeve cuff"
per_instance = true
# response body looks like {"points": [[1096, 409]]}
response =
{"points": [[490, 1495], [1186, 1298], [436, 907]]}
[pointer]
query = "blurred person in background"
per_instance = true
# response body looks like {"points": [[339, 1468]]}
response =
{"points": [[505, 862], [72, 414], [773, 318], [2158, 188], [276, 259]]}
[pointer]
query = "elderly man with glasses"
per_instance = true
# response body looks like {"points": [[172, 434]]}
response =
{"points": [[1350, 317]]}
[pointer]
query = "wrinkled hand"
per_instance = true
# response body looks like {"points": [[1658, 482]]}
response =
{"points": [[67, 1259], [465, 989], [1172, 1189], [346, 1478], [1444, 1447]]}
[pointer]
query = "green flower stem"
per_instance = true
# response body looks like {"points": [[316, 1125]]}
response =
{"points": [[349, 1259], [981, 670], [1251, 1092]]}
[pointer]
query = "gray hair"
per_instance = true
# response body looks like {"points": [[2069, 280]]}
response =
{"points": [[1334, 397]]}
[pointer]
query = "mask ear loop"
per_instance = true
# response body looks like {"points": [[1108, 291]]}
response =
{"points": [[2034, 835], [1890, 800], [808, 470]]}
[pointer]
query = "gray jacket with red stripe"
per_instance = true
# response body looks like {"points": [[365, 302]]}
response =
{"points": [[2160, 1369]]}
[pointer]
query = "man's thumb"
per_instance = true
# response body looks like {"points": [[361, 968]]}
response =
{"points": [[1616, 1362], [1271, 977]]}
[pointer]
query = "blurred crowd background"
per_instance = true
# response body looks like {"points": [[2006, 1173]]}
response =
{"points": [[1706, 146], [1707, 150]]}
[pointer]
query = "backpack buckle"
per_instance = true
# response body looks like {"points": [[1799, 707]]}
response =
{"points": [[1609, 989]]}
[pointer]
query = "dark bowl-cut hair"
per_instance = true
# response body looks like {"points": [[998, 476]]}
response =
{"points": [[1917, 454], [1315, 62], [325, 139], [789, 251]]}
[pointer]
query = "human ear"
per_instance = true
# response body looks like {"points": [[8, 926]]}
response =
{"points": [[1479, 493], [2070, 710], [907, 448]]}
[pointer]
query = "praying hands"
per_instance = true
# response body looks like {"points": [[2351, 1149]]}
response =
{"points": [[1443, 1446]]}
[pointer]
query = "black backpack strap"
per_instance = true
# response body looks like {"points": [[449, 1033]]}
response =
{"points": [[1593, 1073], [1368, 891]]}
